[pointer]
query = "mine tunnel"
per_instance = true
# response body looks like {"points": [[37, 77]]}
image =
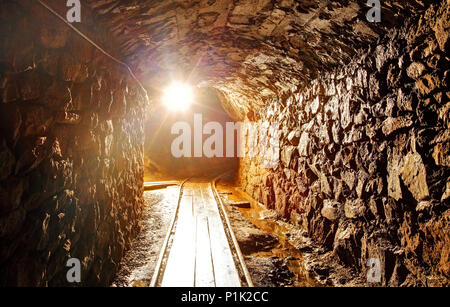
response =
{"points": [[267, 143]]}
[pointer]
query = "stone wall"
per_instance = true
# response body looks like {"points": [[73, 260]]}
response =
{"points": [[365, 158], [71, 150]]}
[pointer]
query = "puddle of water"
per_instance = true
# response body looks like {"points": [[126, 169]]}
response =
{"points": [[258, 216]]}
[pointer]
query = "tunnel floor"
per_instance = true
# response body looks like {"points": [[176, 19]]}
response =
{"points": [[138, 264], [276, 253]]}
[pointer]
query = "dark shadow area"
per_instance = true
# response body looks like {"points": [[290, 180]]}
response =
{"points": [[160, 163]]}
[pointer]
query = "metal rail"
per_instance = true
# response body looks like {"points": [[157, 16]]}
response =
{"points": [[157, 272], [230, 233]]}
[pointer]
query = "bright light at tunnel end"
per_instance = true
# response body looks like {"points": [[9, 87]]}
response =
{"points": [[178, 97]]}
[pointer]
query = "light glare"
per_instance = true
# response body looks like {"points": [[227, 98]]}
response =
{"points": [[178, 97]]}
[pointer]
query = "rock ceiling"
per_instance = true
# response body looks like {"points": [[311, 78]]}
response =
{"points": [[248, 49]]}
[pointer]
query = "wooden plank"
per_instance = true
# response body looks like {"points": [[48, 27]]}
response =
{"points": [[201, 207], [197, 201], [204, 274], [200, 254], [179, 270], [152, 183], [156, 185], [210, 205], [225, 272]]}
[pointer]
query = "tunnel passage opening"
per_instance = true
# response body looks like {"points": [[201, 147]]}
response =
{"points": [[184, 140]]}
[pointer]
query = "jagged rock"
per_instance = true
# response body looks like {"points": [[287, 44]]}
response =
{"points": [[394, 169], [345, 245], [119, 105], [67, 118], [33, 152], [346, 112], [379, 137], [390, 125], [374, 206], [315, 105], [324, 135], [331, 210], [286, 155], [349, 178], [36, 121], [415, 70], [446, 193], [294, 137], [303, 145], [394, 76], [441, 152], [59, 179], [414, 176], [361, 117], [356, 134], [427, 84], [360, 186], [423, 205], [444, 114], [405, 102], [354, 208], [441, 29], [375, 88], [325, 187], [331, 108]]}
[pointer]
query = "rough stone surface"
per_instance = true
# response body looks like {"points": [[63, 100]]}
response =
{"points": [[250, 50], [371, 178], [71, 180]]}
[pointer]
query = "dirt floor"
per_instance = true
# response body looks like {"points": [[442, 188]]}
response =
{"points": [[139, 262]]}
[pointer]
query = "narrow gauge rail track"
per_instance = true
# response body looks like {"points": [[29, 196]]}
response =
{"points": [[200, 248]]}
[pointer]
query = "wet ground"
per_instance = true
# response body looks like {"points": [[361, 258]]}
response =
{"points": [[277, 253], [271, 260], [139, 262]]}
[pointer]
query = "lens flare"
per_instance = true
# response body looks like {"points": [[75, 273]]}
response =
{"points": [[178, 97]]}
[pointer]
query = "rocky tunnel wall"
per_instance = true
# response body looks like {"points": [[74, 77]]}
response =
{"points": [[71, 148], [364, 156]]}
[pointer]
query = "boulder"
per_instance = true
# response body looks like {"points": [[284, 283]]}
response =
{"points": [[415, 70], [414, 176], [331, 210]]}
